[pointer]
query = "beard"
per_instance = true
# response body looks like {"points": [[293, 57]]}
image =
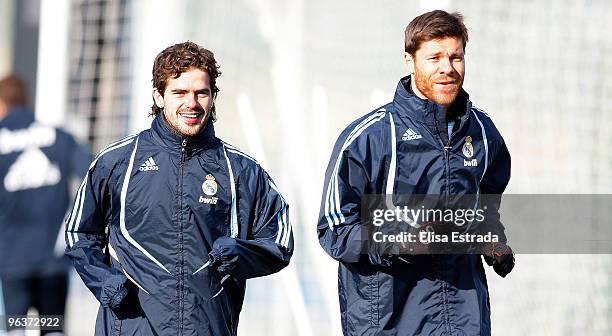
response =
{"points": [[440, 95], [175, 121]]}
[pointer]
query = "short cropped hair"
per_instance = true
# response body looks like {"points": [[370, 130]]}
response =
{"points": [[434, 25], [13, 91], [179, 58]]}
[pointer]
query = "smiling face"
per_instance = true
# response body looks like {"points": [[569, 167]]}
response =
{"points": [[186, 101], [439, 69]]}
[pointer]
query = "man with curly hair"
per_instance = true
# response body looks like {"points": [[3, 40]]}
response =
{"points": [[169, 223]]}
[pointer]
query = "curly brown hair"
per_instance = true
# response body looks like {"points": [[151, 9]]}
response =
{"points": [[181, 57], [434, 25]]}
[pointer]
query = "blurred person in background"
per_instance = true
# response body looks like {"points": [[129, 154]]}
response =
{"points": [[429, 140], [37, 163], [169, 223]]}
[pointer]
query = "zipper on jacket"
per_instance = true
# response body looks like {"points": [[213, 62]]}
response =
{"points": [[446, 147], [181, 274]]}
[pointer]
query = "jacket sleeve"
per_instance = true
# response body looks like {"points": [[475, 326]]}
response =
{"points": [[353, 171], [86, 239], [492, 186], [268, 244]]}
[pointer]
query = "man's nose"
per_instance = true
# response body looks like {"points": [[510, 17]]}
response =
{"points": [[190, 100], [446, 66]]}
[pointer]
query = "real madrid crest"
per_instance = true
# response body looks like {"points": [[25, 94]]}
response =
{"points": [[209, 187], [468, 149]]}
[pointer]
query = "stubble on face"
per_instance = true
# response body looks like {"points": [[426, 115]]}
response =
{"points": [[188, 101], [445, 95], [439, 70], [182, 128]]}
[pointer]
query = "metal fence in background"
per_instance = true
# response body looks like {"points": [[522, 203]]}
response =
{"points": [[296, 72]]}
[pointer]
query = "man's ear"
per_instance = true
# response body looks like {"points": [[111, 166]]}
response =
{"points": [[409, 62], [3, 109], [158, 98]]}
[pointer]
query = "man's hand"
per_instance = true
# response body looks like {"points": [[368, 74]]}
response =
{"points": [[430, 247], [500, 256], [223, 255], [114, 290]]}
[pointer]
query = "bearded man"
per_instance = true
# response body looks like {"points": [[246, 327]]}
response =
{"points": [[430, 140]]}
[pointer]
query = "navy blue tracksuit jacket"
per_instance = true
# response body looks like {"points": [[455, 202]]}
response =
{"points": [[404, 148], [182, 223], [37, 163]]}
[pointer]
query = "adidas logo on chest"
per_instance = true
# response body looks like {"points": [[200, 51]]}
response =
{"points": [[148, 165], [411, 135]]}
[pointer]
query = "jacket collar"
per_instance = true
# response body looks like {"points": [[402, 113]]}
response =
{"points": [[425, 111], [17, 117], [168, 137]]}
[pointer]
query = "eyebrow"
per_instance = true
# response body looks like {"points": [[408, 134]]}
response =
{"points": [[437, 53], [183, 91]]}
